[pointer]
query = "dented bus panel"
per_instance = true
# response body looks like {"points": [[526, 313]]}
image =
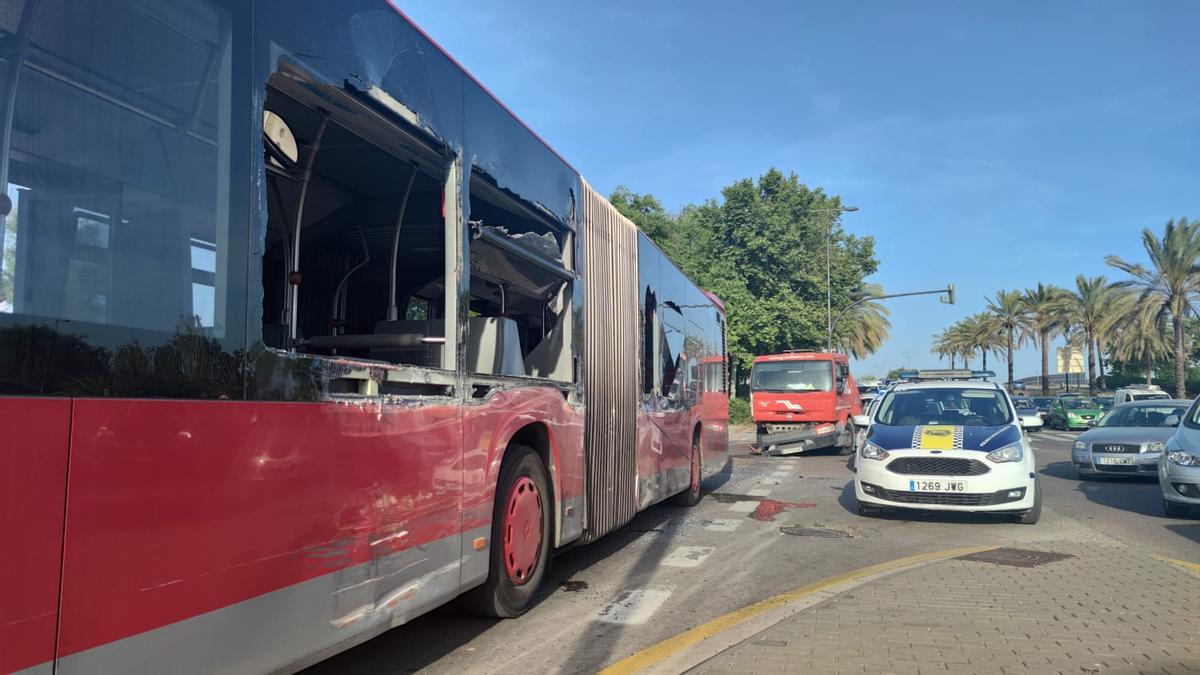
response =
{"points": [[289, 290]]}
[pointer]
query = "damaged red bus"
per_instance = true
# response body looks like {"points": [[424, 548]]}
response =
{"points": [[302, 334]]}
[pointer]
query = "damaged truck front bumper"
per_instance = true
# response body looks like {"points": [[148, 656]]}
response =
{"points": [[791, 439]]}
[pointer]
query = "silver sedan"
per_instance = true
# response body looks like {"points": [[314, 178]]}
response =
{"points": [[1179, 468], [1128, 440]]}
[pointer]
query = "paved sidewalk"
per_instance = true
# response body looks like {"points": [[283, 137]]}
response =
{"points": [[1104, 609]]}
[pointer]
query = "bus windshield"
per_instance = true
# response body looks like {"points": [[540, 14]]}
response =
{"points": [[792, 376]]}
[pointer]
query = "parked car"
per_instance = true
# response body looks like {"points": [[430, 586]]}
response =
{"points": [[1139, 392], [1026, 408], [1179, 467], [1043, 404], [1128, 440], [1072, 413]]}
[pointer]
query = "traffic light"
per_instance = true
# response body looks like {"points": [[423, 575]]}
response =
{"points": [[948, 298]]}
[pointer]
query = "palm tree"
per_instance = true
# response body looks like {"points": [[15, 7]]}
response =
{"points": [[945, 347], [865, 326], [1086, 309], [1010, 315], [1044, 320], [1170, 287], [1140, 334], [984, 335]]}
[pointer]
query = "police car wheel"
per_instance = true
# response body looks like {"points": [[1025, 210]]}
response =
{"points": [[1033, 515], [868, 510]]}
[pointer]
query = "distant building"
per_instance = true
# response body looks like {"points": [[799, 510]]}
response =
{"points": [[1069, 360]]}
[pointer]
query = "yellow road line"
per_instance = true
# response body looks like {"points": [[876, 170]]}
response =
{"points": [[1195, 567], [672, 645]]}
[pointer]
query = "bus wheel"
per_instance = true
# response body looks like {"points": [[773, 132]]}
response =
{"points": [[691, 496], [520, 546]]}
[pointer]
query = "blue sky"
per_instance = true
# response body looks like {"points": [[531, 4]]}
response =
{"points": [[992, 145]]}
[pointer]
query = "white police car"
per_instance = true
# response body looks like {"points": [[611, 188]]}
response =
{"points": [[947, 446]]}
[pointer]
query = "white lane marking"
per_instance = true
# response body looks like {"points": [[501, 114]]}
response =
{"points": [[781, 474], [724, 524], [687, 556], [743, 507], [633, 607], [759, 492]]}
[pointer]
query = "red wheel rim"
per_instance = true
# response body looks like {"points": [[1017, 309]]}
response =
{"points": [[522, 531]]}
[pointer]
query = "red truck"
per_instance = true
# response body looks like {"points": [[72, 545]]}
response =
{"points": [[803, 401]]}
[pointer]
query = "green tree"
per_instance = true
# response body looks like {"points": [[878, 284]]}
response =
{"points": [[761, 249], [1140, 333], [1170, 287], [1044, 319], [1010, 315], [1087, 310], [8, 255], [650, 216], [866, 325]]}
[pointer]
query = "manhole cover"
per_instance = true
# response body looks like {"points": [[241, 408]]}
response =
{"points": [[814, 532], [1016, 557]]}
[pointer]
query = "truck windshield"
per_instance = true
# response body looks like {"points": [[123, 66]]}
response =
{"points": [[792, 376]]}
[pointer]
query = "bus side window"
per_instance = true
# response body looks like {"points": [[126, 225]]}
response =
{"points": [[354, 261], [521, 287]]}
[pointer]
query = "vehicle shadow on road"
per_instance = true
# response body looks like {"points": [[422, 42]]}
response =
{"points": [[422, 642], [1136, 494]]}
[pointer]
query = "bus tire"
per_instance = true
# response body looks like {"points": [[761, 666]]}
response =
{"points": [[519, 554], [691, 496]]}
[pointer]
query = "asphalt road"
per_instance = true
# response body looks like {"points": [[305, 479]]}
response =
{"points": [[765, 526]]}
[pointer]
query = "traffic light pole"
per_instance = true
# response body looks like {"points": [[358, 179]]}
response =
{"points": [[948, 298]]}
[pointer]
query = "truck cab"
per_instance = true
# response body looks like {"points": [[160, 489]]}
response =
{"points": [[803, 401]]}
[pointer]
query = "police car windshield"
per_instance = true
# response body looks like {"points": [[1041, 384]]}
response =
{"points": [[792, 376], [949, 405], [1162, 416]]}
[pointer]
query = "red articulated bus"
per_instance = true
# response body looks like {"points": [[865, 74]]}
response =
{"points": [[803, 401], [302, 334]]}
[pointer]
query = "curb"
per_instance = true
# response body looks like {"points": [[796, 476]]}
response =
{"points": [[692, 647], [1182, 564]]}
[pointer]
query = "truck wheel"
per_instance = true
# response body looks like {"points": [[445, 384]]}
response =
{"points": [[520, 545], [848, 448]]}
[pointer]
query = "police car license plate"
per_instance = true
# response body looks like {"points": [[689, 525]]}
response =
{"points": [[1119, 461], [937, 486]]}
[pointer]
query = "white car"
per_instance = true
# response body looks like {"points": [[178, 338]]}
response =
{"points": [[1139, 392], [948, 446]]}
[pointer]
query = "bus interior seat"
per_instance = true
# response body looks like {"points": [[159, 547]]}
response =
{"points": [[494, 346], [544, 359], [422, 355]]}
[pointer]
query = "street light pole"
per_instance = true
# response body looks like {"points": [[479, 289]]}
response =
{"points": [[829, 272]]}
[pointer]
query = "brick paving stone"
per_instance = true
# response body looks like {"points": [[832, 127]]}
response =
{"points": [[1109, 607]]}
